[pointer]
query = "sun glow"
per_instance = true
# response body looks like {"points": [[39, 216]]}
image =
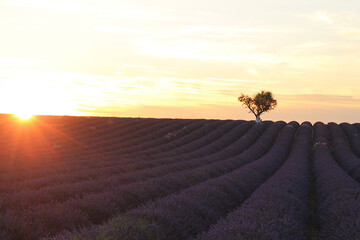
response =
{"points": [[27, 98], [23, 115]]}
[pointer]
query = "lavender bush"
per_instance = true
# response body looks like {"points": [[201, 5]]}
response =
{"points": [[279, 208], [181, 215], [337, 194]]}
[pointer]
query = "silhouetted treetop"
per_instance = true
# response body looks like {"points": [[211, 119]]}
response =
{"points": [[260, 103]]}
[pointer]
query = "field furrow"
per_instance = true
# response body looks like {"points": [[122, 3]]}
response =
{"points": [[279, 208], [108, 178], [184, 214], [337, 194], [343, 153], [353, 134]]}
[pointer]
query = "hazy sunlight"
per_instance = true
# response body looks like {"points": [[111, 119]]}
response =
{"points": [[180, 59], [23, 115], [25, 98]]}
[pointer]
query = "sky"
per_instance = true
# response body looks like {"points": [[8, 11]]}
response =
{"points": [[180, 59]]}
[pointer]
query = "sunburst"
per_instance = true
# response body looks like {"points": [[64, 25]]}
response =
{"points": [[23, 115]]}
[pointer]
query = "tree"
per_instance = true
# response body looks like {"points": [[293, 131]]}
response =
{"points": [[262, 102]]}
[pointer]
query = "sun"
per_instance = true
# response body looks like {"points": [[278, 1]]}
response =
{"points": [[23, 115], [25, 99]]}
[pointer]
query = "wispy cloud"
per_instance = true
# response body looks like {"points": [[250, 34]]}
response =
{"points": [[120, 30], [19, 62], [350, 33], [253, 71], [324, 99], [321, 17], [47, 4], [204, 50], [229, 31], [310, 45], [99, 9]]}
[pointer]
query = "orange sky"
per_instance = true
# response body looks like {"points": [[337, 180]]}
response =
{"points": [[184, 59]]}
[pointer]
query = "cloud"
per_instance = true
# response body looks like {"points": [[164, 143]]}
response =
{"points": [[19, 62], [229, 31], [204, 50], [253, 71], [324, 99], [120, 30], [231, 80], [310, 45], [46, 4], [136, 66], [350, 33], [322, 17], [319, 17], [111, 9]]}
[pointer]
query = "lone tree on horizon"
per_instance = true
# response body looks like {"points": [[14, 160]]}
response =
{"points": [[262, 102]]}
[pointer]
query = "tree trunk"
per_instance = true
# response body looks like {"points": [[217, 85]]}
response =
{"points": [[258, 119]]}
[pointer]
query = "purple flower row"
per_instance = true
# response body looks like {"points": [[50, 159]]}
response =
{"points": [[353, 135], [66, 186], [41, 133], [193, 210], [115, 169], [97, 207], [157, 133], [71, 167], [116, 141], [337, 194], [279, 208], [163, 140], [342, 152]]}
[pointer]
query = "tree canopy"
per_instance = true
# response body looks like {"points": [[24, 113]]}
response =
{"points": [[260, 103]]}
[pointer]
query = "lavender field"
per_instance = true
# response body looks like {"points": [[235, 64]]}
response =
{"points": [[94, 178]]}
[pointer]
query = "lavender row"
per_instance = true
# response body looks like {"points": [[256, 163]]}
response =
{"points": [[343, 153], [107, 128], [209, 137], [96, 208], [135, 138], [96, 138], [40, 128], [91, 181], [212, 143], [86, 128], [203, 134], [353, 134], [24, 130], [142, 135], [209, 145], [76, 165], [337, 194], [207, 126], [193, 210], [92, 161], [75, 147], [163, 140], [119, 141], [115, 168], [128, 132], [61, 192], [101, 146], [278, 209]]}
